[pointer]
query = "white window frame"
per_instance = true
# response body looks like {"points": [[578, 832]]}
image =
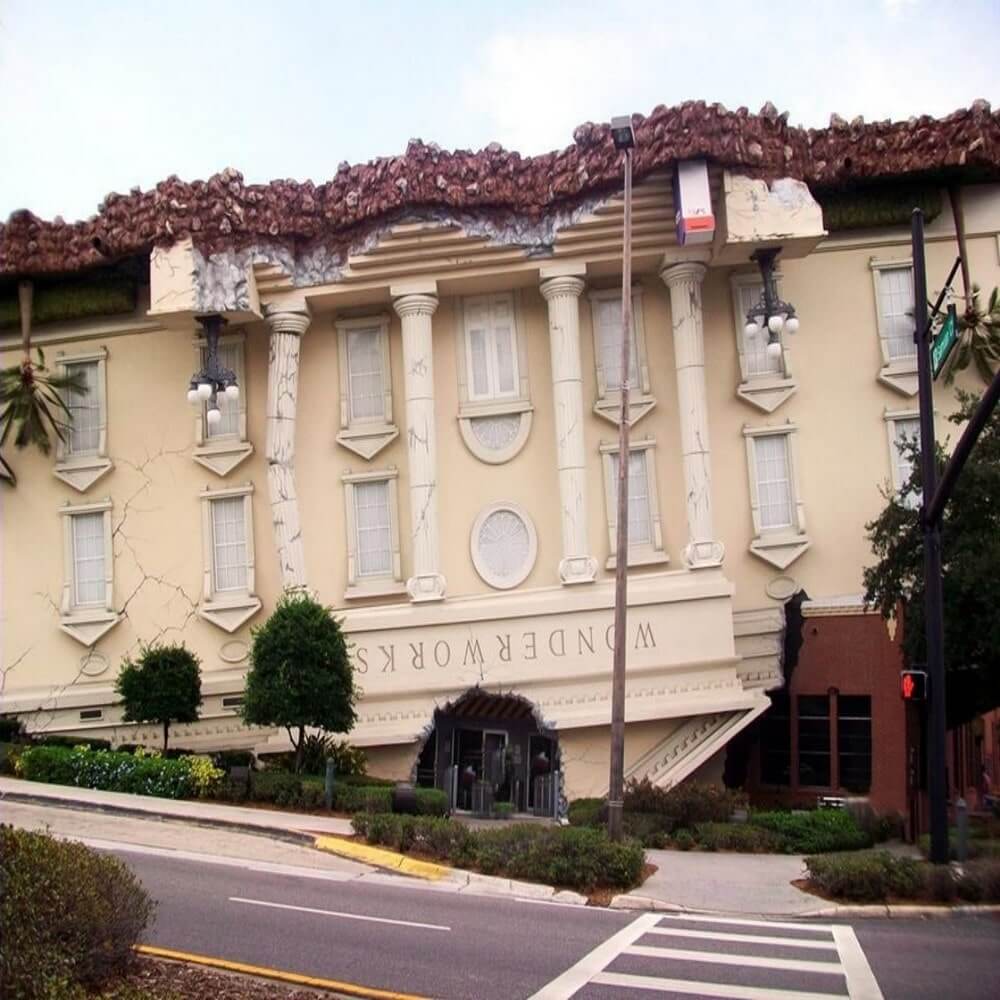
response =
{"points": [[767, 390], [899, 374], [87, 622], [223, 452], [372, 586], [82, 471], [516, 404], [228, 609], [779, 546], [647, 554], [892, 419], [608, 403], [366, 436]]}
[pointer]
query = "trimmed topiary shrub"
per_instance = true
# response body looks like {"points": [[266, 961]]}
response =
{"points": [[279, 787], [741, 837], [431, 801], [68, 916], [363, 798]]}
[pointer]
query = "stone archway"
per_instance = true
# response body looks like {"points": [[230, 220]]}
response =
{"points": [[488, 748]]}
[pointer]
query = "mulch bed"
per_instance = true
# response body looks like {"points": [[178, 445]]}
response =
{"points": [[153, 979]]}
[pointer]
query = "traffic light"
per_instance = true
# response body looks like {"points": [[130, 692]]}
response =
{"points": [[913, 685]]}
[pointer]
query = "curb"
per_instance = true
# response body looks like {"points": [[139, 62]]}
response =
{"points": [[859, 911], [379, 857], [279, 975], [271, 832]]}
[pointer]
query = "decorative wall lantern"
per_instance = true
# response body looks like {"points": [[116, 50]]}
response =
{"points": [[213, 379], [770, 311]]}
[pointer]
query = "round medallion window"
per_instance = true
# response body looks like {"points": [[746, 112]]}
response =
{"points": [[495, 437], [504, 545], [497, 433]]}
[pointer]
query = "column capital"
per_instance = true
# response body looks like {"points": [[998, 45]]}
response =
{"points": [[563, 285], [282, 319], [689, 270], [416, 304]]}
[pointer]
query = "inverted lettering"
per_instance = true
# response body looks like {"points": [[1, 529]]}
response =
{"points": [[504, 641], [609, 636], [587, 640], [645, 636], [557, 642], [437, 655], [362, 654], [530, 652], [389, 667], [473, 652], [418, 655]]}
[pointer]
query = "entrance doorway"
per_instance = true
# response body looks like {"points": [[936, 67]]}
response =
{"points": [[488, 750]]}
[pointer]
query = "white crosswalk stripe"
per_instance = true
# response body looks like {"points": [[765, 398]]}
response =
{"points": [[665, 954]]}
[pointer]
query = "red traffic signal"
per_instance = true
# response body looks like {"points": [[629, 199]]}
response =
{"points": [[913, 685]]}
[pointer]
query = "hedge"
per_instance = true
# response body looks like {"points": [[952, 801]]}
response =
{"points": [[874, 876], [814, 832], [574, 857], [69, 916], [142, 773]]}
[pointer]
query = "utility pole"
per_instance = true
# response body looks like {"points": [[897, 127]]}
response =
{"points": [[624, 138], [933, 584]]}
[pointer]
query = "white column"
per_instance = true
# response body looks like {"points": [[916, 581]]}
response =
{"points": [[684, 281], [415, 311], [287, 327], [563, 297]]}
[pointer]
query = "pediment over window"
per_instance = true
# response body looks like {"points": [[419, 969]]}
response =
{"points": [[223, 458], [780, 552], [229, 616], [902, 379], [82, 473], [766, 395], [610, 409], [88, 631], [367, 441]]}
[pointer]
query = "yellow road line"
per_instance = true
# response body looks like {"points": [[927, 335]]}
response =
{"points": [[294, 978], [381, 858]]}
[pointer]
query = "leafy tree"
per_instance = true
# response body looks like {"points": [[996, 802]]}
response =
{"points": [[162, 686], [300, 672], [970, 551]]}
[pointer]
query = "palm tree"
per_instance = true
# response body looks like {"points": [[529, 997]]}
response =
{"points": [[32, 403], [978, 328]]}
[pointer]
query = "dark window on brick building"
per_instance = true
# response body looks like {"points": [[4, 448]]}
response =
{"points": [[814, 740], [776, 741], [854, 741]]}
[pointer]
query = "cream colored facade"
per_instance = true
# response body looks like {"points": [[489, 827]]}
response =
{"points": [[708, 584]]}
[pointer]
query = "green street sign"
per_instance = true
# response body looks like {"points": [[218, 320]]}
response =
{"points": [[945, 341]]}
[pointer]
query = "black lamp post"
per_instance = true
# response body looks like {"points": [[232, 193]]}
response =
{"points": [[624, 140], [770, 312], [213, 379]]}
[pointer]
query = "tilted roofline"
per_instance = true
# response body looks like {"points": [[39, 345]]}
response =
{"points": [[224, 212]]}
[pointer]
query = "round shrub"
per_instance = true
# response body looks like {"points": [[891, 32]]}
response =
{"points": [[866, 876], [68, 916]]}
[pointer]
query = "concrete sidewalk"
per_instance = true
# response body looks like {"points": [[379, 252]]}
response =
{"points": [[757, 884], [298, 827]]}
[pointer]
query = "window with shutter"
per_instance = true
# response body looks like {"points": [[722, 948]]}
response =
{"points": [[491, 348], [366, 425], [896, 310], [775, 500], [85, 410], [229, 544], [88, 559], [373, 559], [645, 538], [774, 488]]}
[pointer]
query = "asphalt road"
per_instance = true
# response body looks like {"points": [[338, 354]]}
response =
{"points": [[288, 907], [467, 947]]}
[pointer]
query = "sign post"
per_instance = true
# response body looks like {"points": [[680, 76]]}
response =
{"points": [[944, 342]]}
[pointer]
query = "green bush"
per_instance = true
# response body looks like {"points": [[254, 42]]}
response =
{"points": [[579, 858], [683, 840], [650, 829], [432, 801], [502, 810], [866, 876], [226, 759], [318, 748], [979, 881], [686, 804], [585, 812], [741, 837], [363, 798], [814, 832], [368, 780], [9, 754], [278, 787], [68, 916]]}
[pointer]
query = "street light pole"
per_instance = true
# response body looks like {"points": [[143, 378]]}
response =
{"points": [[933, 586], [624, 140]]}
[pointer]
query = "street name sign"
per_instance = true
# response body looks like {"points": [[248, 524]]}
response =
{"points": [[945, 341]]}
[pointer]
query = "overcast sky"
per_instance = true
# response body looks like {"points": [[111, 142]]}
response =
{"points": [[99, 96]]}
